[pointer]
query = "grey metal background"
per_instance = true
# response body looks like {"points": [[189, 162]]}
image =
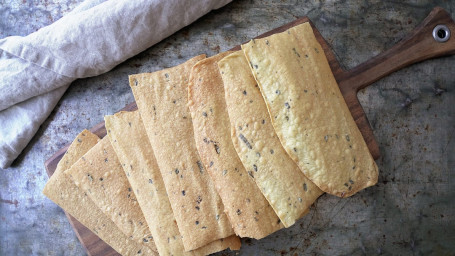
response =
{"points": [[409, 212]]}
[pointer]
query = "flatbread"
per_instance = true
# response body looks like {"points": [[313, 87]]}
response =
{"points": [[249, 212], [231, 242], [61, 190], [162, 100], [129, 140], [281, 181], [100, 174], [308, 111]]}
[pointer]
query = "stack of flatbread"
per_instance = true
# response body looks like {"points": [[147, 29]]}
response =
{"points": [[240, 144]]}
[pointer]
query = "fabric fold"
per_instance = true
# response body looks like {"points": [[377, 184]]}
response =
{"points": [[20, 122], [94, 38]]}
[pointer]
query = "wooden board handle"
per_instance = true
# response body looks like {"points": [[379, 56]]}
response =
{"points": [[418, 46]]}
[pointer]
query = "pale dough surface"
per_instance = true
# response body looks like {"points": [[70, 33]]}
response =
{"points": [[61, 190], [129, 140], [281, 181], [100, 174], [162, 100], [249, 212], [308, 111]]}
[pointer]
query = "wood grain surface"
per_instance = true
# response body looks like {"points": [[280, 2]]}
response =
{"points": [[418, 46]]}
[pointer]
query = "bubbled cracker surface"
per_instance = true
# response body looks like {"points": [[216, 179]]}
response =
{"points": [[281, 181], [100, 174], [309, 113], [129, 140], [232, 242], [61, 190], [162, 100], [248, 211]]}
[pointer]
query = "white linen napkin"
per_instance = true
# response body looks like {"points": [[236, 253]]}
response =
{"points": [[36, 70]]}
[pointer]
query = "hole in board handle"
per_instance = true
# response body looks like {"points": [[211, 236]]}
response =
{"points": [[441, 33]]}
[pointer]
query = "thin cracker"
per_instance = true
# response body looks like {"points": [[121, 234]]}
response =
{"points": [[162, 102], [281, 181], [100, 174], [61, 190], [129, 140], [248, 211], [309, 114]]}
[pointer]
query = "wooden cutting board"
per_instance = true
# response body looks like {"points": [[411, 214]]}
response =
{"points": [[418, 46]]}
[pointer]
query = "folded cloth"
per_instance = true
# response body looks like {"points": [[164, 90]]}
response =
{"points": [[92, 39]]}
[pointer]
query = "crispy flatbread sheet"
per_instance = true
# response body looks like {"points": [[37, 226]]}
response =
{"points": [[308, 111], [249, 212], [74, 201], [100, 174], [129, 140], [281, 181], [232, 242], [162, 100]]}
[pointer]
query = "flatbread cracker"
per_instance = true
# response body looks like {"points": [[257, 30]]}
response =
{"points": [[231, 242], [308, 111], [281, 181], [162, 100], [100, 174], [249, 212], [129, 140], [61, 190]]}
